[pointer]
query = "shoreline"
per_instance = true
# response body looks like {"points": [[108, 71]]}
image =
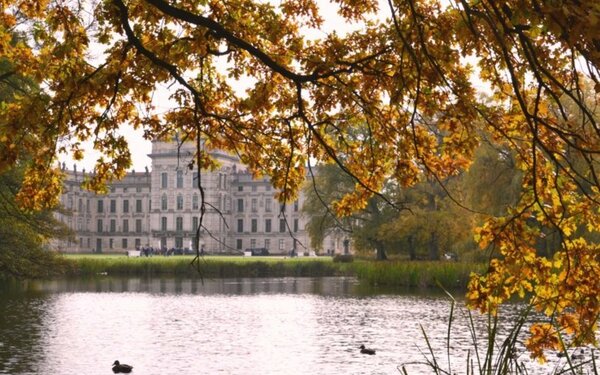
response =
{"points": [[418, 274]]}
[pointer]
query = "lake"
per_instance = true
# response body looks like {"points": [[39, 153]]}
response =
{"points": [[244, 326]]}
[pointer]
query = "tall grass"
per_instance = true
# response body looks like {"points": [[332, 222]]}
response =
{"points": [[216, 267], [496, 348], [451, 275]]}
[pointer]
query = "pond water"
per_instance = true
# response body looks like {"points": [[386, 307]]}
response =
{"points": [[246, 326]]}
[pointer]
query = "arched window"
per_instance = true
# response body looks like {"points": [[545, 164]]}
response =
{"points": [[163, 202], [179, 202]]}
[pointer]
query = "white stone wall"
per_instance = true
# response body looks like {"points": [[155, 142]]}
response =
{"points": [[167, 194], [115, 228]]}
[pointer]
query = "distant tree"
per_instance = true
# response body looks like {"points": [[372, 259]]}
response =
{"points": [[432, 224], [25, 235], [369, 220], [329, 185], [493, 183]]}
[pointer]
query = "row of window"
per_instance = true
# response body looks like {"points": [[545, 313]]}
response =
{"points": [[77, 187], [124, 205], [138, 189], [221, 181], [179, 204], [124, 243], [179, 180], [124, 227], [178, 224], [254, 188], [268, 205], [283, 226], [179, 243], [164, 203], [111, 243], [267, 244]]}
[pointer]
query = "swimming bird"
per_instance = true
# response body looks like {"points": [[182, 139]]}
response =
{"points": [[364, 350], [117, 368], [579, 356]]}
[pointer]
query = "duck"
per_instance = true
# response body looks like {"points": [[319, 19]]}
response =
{"points": [[364, 350], [118, 367], [577, 357]]}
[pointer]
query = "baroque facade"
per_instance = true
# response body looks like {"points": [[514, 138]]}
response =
{"points": [[160, 208]]}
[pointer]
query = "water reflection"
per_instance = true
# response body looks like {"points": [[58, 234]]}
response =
{"points": [[249, 326], [22, 323], [243, 286]]}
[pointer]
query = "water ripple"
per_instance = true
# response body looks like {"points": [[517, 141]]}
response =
{"points": [[286, 326]]}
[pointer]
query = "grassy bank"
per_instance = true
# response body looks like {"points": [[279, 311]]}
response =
{"points": [[452, 275], [210, 266]]}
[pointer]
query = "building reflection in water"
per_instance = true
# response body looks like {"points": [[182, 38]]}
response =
{"points": [[241, 286]]}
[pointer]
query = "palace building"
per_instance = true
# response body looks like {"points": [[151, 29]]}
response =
{"points": [[160, 208]]}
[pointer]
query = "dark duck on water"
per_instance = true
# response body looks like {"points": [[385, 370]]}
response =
{"points": [[117, 368], [364, 350]]}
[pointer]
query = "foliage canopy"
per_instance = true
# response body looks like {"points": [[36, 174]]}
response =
{"points": [[404, 80], [25, 234]]}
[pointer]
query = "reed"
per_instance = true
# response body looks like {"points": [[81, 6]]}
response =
{"points": [[210, 266], [496, 348], [451, 275]]}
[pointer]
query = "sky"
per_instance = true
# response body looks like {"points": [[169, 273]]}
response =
{"points": [[139, 147]]}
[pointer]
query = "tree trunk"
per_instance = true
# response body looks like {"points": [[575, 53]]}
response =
{"points": [[380, 250], [433, 247], [412, 252], [379, 247]]}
